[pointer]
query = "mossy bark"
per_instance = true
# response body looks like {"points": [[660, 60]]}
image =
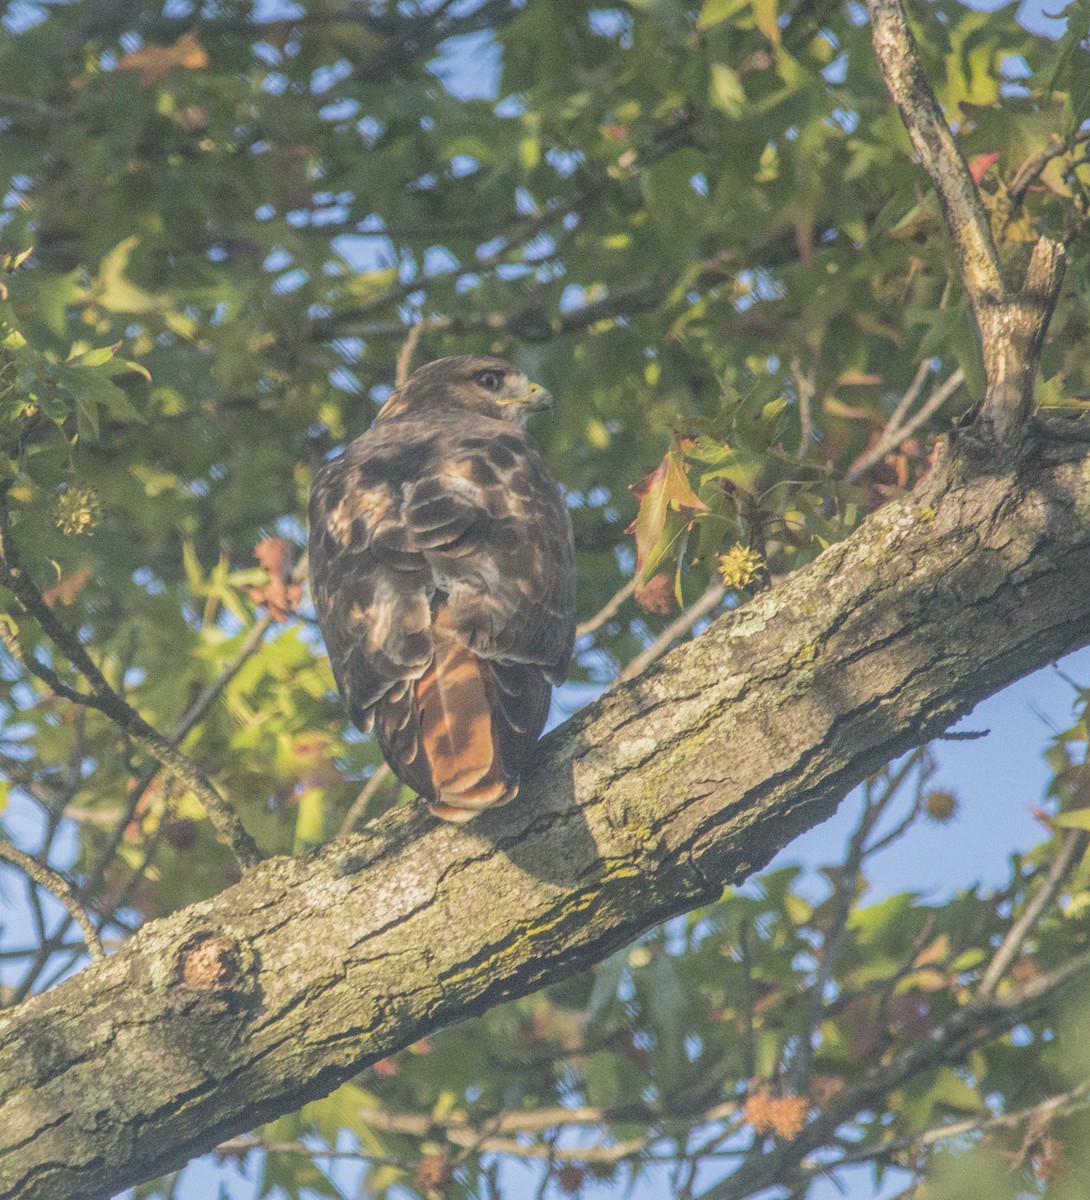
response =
{"points": [[642, 806]]}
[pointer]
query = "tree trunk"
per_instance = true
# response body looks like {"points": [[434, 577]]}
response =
{"points": [[642, 806]]}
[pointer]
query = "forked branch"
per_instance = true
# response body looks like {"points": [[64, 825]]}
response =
{"points": [[1012, 320]]}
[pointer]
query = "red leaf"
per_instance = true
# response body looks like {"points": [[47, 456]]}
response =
{"points": [[979, 164]]}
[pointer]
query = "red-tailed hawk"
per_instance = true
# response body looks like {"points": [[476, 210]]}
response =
{"points": [[443, 575]]}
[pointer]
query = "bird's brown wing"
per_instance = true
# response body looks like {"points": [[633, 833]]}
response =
{"points": [[443, 577]]}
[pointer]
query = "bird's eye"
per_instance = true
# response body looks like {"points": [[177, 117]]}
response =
{"points": [[489, 380]]}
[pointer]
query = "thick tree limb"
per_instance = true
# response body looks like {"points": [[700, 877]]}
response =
{"points": [[899, 59], [640, 807], [1012, 320]]}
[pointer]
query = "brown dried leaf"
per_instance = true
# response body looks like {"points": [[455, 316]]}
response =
{"points": [[280, 595], [67, 588], [153, 62], [657, 594]]}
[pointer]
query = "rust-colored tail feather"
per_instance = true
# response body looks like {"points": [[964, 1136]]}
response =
{"points": [[455, 702]]}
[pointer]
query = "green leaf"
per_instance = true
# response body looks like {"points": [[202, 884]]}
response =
{"points": [[92, 358], [667, 506], [310, 820], [113, 290], [725, 90], [714, 11], [1079, 819]]}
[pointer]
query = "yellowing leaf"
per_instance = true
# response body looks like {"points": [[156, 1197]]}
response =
{"points": [[667, 506], [765, 14], [715, 11], [725, 90], [113, 290], [1079, 819], [666, 489]]}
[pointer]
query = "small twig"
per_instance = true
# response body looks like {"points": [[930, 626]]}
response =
{"points": [[150, 849], [243, 1145], [711, 598], [196, 712], [512, 1124], [805, 389], [359, 805], [1051, 1109], [843, 902], [1036, 163], [408, 349], [749, 1003], [45, 877], [74, 948], [532, 320], [34, 105], [37, 913], [181, 766], [921, 758], [607, 610], [547, 1176], [1038, 988], [892, 438], [912, 394], [1071, 850]]}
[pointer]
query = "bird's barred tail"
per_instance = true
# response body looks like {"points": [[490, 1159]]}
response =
{"points": [[457, 713]]}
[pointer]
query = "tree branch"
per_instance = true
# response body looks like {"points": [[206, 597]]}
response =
{"points": [[1072, 849], [968, 1027], [189, 720], [608, 610], [367, 793], [638, 808], [1012, 322], [56, 884], [897, 432], [908, 85], [1031, 169], [1051, 1109], [712, 597]]}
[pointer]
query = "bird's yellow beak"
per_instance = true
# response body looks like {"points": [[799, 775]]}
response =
{"points": [[531, 397]]}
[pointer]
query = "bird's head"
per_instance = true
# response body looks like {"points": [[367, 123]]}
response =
{"points": [[492, 387]]}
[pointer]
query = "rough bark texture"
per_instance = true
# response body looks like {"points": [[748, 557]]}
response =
{"points": [[642, 806], [1012, 321]]}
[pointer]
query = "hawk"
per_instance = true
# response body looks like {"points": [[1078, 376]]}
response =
{"points": [[443, 573]]}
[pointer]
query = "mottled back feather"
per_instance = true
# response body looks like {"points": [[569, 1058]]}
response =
{"points": [[442, 570]]}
